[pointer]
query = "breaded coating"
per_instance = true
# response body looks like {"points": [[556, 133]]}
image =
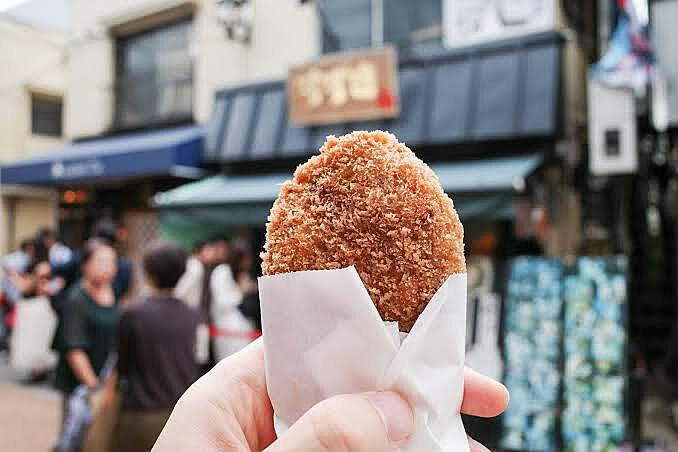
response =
{"points": [[368, 201]]}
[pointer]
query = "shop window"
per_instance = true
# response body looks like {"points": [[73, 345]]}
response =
{"points": [[46, 116], [413, 27], [154, 76]]}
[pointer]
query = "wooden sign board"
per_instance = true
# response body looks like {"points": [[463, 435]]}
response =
{"points": [[355, 86]]}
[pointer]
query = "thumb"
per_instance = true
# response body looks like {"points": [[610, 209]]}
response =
{"points": [[373, 421]]}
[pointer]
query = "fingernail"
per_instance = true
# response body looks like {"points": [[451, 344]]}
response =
{"points": [[396, 414]]}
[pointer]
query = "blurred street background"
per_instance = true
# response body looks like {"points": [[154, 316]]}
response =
{"points": [[552, 124], [29, 413]]}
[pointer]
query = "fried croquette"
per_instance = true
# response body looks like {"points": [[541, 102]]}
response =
{"points": [[367, 200]]}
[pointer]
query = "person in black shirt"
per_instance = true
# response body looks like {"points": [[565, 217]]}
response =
{"points": [[156, 352]]}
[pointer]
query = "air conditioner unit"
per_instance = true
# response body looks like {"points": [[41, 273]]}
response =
{"points": [[612, 130]]}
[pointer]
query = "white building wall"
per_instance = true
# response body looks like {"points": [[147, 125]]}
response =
{"points": [[284, 33], [33, 61]]}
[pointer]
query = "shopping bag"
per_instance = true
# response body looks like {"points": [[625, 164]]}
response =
{"points": [[78, 418], [30, 343], [80, 414]]}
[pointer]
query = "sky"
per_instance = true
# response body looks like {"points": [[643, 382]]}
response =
{"points": [[50, 14], [6, 4]]}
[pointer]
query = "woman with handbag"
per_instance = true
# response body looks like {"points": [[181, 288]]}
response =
{"points": [[89, 318]]}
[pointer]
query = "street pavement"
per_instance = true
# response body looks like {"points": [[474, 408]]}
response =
{"points": [[29, 413]]}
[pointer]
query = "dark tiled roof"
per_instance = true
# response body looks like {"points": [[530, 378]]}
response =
{"points": [[507, 89]]}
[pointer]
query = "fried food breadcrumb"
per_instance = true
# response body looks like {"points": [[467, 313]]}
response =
{"points": [[368, 201]]}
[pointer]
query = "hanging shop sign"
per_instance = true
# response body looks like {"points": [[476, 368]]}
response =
{"points": [[612, 130], [532, 309], [468, 22], [594, 294], [356, 86]]}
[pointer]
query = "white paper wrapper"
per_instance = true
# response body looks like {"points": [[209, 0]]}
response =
{"points": [[323, 337]]}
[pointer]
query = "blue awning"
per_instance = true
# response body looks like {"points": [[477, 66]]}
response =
{"points": [[502, 90], [480, 189], [173, 151]]}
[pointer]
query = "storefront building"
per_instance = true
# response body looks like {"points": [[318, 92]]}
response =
{"points": [[505, 89], [504, 123], [485, 118], [496, 121], [493, 99], [654, 213], [630, 184], [141, 78], [111, 177]]}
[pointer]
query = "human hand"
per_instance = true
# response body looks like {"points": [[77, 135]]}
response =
{"points": [[246, 283], [229, 410], [93, 383], [24, 283], [49, 287]]}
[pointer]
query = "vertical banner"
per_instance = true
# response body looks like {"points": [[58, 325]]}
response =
{"points": [[594, 293], [532, 350], [564, 348]]}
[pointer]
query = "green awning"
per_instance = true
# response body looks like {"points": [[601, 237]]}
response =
{"points": [[480, 189], [489, 175], [223, 190]]}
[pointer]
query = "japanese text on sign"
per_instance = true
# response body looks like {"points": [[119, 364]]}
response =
{"points": [[348, 87], [339, 84]]}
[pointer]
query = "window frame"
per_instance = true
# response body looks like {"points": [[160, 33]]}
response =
{"points": [[377, 29], [120, 39], [47, 98]]}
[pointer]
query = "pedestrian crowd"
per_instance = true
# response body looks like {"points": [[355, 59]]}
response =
{"points": [[140, 354]]}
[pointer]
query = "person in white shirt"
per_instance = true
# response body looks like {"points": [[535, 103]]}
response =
{"points": [[191, 290], [58, 253], [230, 283], [19, 260], [12, 269], [189, 287]]}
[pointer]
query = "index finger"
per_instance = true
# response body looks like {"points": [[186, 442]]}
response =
{"points": [[483, 396]]}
